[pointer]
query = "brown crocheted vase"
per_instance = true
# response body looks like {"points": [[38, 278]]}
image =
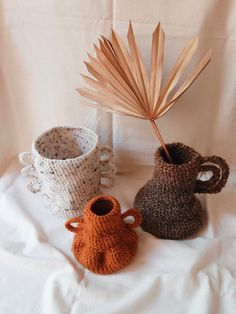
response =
{"points": [[167, 202], [103, 241]]}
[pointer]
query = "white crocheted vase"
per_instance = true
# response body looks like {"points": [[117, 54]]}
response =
{"points": [[67, 168]]}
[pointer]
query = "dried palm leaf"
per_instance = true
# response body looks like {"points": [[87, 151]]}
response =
{"points": [[122, 84]]}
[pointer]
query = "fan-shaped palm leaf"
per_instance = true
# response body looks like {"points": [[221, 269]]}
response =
{"points": [[122, 84]]}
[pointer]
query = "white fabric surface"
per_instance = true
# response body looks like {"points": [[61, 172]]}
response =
{"points": [[39, 274], [42, 48]]}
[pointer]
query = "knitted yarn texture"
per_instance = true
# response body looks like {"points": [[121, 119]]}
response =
{"points": [[104, 243], [167, 202], [66, 167]]}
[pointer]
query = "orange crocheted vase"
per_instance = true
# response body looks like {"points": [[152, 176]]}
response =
{"points": [[103, 241]]}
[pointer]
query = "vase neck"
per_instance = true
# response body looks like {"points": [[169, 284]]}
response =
{"points": [[184, 169], [102, 215]]}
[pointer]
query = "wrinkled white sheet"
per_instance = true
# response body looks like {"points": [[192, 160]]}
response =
{"points": [[42, 48], [39, 274]]}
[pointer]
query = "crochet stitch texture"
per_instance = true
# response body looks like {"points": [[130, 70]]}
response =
{"points": [[167, 202], [104, 243], [66, 168]]}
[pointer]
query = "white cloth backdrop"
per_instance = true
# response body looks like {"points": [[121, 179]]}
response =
{"points": [[42, 48]]}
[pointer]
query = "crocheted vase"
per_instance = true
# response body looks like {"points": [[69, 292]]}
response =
{"points": [[167, 202], [67, 167], [103, 242]]}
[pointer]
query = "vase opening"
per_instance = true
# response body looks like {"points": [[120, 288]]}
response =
{"points": [[65, 143], [180, 155], [102, 207]]}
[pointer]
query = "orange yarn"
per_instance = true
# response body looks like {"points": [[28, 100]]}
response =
{"points": [[103, 242]]}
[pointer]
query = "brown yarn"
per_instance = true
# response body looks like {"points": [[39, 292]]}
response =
{"points": [[218, 179], [167, 202], [103, 242]]}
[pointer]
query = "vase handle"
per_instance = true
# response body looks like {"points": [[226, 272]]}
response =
{"points": [[71, 221], [108, 168], [137, 217], [220, 173], [29, 172]]}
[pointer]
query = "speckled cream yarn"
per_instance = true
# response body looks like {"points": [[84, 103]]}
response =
{"points": [[103, 242], [67, 167], [167, 202]]}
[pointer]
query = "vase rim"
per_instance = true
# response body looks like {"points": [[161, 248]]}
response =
{"points": [[192, 153], [68, 129], [115, 208]]}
